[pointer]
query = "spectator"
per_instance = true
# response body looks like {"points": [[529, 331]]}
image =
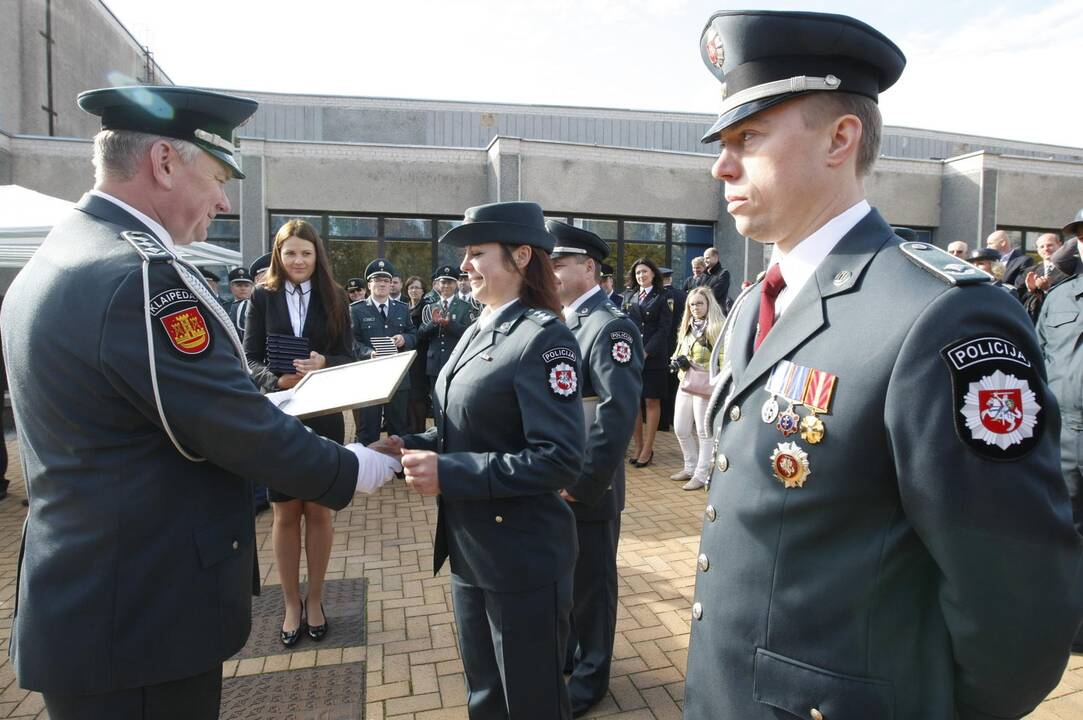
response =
{"points": [[606, 281], [959, 249], [988, 260], [1036, 283], [649, 309], [1013, 259], [396, 289], [699, 268], [717, 278], [700, 326], [355, 289], [419, 383]]}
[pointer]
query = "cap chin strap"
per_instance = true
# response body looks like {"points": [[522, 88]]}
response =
{"points": [[152, 251], [799, 83]]}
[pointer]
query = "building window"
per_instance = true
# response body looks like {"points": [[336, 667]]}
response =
{"points": [[1026, 238], [225, 231]]}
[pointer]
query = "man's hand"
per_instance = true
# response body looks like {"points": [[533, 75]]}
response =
{"points": [[399, 340], [421, 469], [568, 497], [391, 446], [285, 382]]}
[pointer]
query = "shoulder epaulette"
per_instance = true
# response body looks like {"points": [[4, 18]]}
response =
{"points": [[542, 317], [148, 246], [357, 301], [943, 265], [613, 309]]}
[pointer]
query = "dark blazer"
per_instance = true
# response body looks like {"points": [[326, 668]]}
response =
{"points": [[921, 571], [268, 314], [654, 319], [612, 379], [1015, 265], [509, 430], [137, 563], [718, 280], [368, 323], [419, 383]]}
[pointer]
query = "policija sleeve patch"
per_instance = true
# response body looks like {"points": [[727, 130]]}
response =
{"points": [[560, 363], [997, 413], [178, 313], [621, 349]]}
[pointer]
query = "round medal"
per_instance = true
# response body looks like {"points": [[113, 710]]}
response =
{"points": [[812, 429], [769, 411], [788, 422], [789, 464]]}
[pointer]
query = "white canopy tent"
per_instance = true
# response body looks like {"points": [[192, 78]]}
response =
{"points": [[26, 217]]}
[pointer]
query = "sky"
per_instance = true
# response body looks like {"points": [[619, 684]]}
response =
{"points": [[999, 68]]}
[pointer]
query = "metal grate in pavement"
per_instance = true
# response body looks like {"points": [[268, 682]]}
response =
{"points": [[334, 692], [343, 604]]}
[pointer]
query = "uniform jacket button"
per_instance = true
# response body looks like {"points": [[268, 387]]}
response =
{"points": [[703, 562], [735, 413], [499, 519], [722, 462], [236, 544], [697, 611], [815, 714], [710, 513]]}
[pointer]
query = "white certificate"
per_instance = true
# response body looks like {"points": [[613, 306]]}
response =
{"points": [[343, 387]]}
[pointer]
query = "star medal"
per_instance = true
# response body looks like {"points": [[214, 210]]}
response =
{"points": [[769, 411], [789, 464], [788, 421], [812, 429]]}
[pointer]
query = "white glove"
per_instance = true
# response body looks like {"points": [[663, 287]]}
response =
{"points": [[373, 468]]}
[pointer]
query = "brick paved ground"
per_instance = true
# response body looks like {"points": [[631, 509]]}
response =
{"points": [[414, 671]]}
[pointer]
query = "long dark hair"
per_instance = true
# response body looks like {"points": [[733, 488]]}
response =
{"points": [[406, 289], [331, 294], [539, 288], [656, 282]]}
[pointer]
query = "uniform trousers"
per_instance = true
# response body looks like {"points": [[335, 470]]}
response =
{"points": [[594, 613], [512, 645], [192, 698], [396, 412], [1071, 456], [690, 427]]}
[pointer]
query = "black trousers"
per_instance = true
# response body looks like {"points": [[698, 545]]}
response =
{"points": [[395, 412], [594, 614], [512, 645], [192, 698]]}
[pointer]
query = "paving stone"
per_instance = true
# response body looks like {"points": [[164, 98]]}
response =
{"points": [[331, 693]]}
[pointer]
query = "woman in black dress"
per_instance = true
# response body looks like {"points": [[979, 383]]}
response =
{"points": [[419, 382], [646, 304], [299, 298]]}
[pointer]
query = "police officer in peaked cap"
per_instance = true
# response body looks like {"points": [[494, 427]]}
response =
{"points": [[443, 321], [240, 285], [259, 267], [138, 557], [508, 435], [887, 534], [377, 319], [612, 352], [355, 289]]}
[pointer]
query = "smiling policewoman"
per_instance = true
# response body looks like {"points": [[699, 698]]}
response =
{"points": [[508, 436]]}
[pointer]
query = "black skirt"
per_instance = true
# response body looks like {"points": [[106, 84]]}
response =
{"points": [[655, 383], [332, 427]]}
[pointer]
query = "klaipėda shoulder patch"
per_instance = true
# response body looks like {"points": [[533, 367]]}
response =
{"points": [[179, 315], [561, 375], [998, 413], [622, 346]]}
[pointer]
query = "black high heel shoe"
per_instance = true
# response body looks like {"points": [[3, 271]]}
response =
{"points": [[290, 638], [317, 632], [644, 464]]}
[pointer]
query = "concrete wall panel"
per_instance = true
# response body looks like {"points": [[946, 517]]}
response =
{"points": [[1031, 199]]}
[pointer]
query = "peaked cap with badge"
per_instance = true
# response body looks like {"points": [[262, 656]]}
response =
{"points": [[240, 275], [354, 285], [201, 117], [263, 262], [379, 268], [508, 223], [887, 533], [128, 373], [445, 272], [763, 58]]}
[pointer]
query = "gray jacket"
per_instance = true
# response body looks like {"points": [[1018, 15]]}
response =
{"points": [[927, 567], [138, 564]]}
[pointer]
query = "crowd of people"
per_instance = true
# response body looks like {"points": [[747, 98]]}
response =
{"points": [[893, 512]]}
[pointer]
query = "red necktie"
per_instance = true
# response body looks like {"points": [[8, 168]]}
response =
{"points": [[772, 286]]}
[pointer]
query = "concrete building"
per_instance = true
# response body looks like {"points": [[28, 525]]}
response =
{"points": [[386, 176]]}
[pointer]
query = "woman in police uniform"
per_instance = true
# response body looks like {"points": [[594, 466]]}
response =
{"points": [[508, 436], [649, 308], [300, 298]]}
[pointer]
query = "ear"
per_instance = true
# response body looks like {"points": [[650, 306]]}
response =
{"points": [[522, 256], [845, 138], [164, 163]]}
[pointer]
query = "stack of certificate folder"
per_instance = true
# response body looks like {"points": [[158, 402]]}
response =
{"points": [[282, 350]]}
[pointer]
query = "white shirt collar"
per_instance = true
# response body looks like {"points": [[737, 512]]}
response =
{"points": [[489, 315], [291, 288], [574, 306], [154, 226], [799, 265]]}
